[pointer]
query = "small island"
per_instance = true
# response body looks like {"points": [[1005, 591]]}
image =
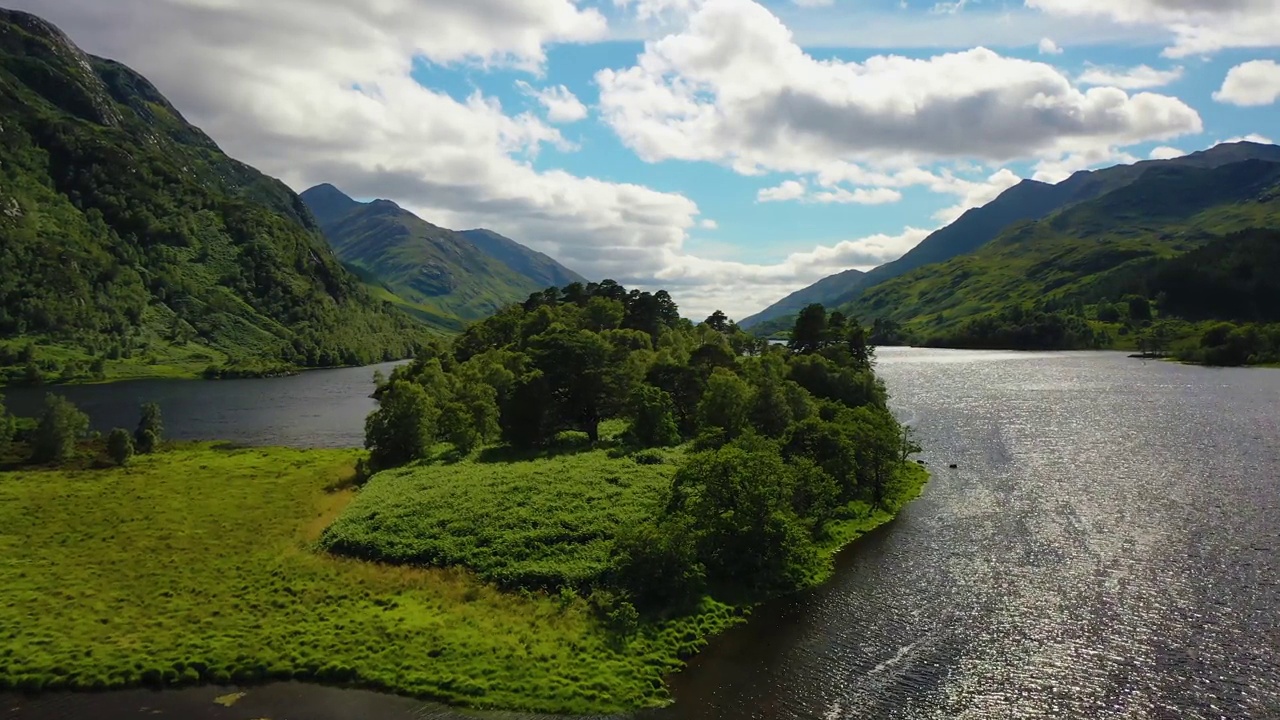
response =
{"points": [[555, 510]]}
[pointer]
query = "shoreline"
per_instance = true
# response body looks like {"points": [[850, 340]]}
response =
{"points": [[477, 678]]}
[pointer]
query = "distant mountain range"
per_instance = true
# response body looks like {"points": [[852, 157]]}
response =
{"points": [[1027, 201], [131, 245], [443, 277]]}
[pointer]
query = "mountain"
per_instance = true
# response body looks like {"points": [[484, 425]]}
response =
{"points": [[539, 267], [1054, 282], [829, 291], [133, 245], [1028, 200], [441, 276]]}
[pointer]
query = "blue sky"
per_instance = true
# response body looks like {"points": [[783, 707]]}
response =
{"points": [[730, 150]]}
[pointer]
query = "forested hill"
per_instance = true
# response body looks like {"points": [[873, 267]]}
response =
{"points": [[1028, 200], [832, 290], [443, 277], [133, 246], [1157, 264]]}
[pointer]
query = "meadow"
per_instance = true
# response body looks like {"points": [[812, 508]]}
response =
{"points": [[202, 565]]}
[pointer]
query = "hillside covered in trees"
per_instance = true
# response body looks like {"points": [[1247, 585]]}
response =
{"points": [[1053, 266], [592, 442], [1179, 262], [133, 246]]}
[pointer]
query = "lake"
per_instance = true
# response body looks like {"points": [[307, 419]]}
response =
{"points": [[1106, 548], [316, 408]]}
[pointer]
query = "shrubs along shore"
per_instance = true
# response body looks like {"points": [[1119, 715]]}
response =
{"points": [[555, 510]]}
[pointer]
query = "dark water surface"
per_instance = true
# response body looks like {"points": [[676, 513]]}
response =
{"points": [[1107, 548], [316, 408]]}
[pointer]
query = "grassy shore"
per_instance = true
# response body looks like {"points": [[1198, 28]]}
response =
{"points": [[201, 564]]}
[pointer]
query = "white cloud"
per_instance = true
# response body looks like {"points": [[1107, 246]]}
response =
{"points": [[561, 104], [1251, 84], [1251, 137], [798, 190], [1049, 47], [788, 190], [732, 87], [1164, 152], [1134, 78], [708, 224], [1198, 26], [1056, 170]]}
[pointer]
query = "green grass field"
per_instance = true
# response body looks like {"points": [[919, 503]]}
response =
{"points": [[201, 565]]}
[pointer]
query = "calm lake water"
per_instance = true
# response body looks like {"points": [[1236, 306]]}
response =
{"points": [[1106, 548], [317, 408]]}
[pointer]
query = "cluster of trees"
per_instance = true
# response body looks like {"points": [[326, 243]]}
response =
{"points": [[1024, 327], [57, 434], [783, 438]]}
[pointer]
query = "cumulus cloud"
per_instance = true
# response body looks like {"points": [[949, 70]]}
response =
{"points": [[708, 224], [1198, 26], [1056, 170], [1251, 137], [1251, 84], [1134, 78], [799, 190], [561, 104], [1164, 152], [1049, 47], [733, 87]]}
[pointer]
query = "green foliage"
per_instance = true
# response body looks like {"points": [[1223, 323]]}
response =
{"points": [[654, 423], [542, 523], [725, 404], [133, 246], [8, 426], [403, 427], [61, 426], [120, 446], [224, 536], [796, 444], [150, 429]]}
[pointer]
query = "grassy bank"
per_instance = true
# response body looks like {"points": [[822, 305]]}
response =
{"points": [[200, 565]]}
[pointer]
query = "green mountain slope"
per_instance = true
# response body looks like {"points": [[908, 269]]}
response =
{"points": [[829, 291], [439, 275], [1076, 262], [133, 246], [1028, 200], [539, 267]]}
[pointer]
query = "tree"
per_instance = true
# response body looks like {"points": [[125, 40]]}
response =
{"points": [[1139, 308], [771, 409], [470, 419], [740, 502], [603, 314], [574, 363], [120, 446], [827, 445], [725, 404], [653, 423], [150, 429], [809, 333], [717, 321], [61, 424], [403, 427], [656, 564]]}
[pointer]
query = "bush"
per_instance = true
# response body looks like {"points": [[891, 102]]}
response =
{"points": [[120, 446], [61, 425], [150, 429], [648, 457], [8, 426]]}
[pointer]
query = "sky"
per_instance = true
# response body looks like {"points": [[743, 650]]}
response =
{"points": [[730, 151]]}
